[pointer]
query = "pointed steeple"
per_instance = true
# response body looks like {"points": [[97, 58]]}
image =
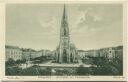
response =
{"points": [[65, 52], [64, 23], [64, 13], [64, 18]]}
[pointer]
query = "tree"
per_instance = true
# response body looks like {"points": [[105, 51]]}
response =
{"points": [[18, 62], [118, 64], [13, 70], [83, 70], [10, 62], [100, 61], [23, 61]]}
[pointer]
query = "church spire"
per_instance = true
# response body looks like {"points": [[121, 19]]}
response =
{"points": [[64, 13], [64, 18], [64, 52], [64, 23]]}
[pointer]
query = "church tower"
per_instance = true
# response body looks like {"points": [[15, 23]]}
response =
{"points": [[63, 52]]}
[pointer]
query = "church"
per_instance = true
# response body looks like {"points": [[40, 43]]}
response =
{"points": [[66, 52]]}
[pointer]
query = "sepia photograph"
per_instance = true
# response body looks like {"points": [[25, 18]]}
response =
{"points": [[64, 39]]}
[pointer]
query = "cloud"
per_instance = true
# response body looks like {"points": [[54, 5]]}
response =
{"points": [[90, 19], [94, 18], [88, 23]]}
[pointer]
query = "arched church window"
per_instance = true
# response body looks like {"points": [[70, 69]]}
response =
{"points": [[64, 31], [64, 52], [71, 57], [64, 55]]}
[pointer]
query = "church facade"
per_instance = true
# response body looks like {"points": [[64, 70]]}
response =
{"points": [[66, 52]]}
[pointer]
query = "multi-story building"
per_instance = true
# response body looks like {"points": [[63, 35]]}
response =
{"points": [[43, 53], [28, 53], [31, 54], [110, 52], [17, 53], [118, 52], [40, 53], [13, 52], [89, 53], [81, 53]]}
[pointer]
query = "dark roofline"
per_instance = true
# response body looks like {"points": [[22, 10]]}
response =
{"points": [[13, 47], [115, 47]]}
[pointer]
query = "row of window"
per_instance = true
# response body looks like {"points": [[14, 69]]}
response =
{"points": [[13, 56], [13, 52]]}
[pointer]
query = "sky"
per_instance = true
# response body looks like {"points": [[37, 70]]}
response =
{"points": [[37, 26]]}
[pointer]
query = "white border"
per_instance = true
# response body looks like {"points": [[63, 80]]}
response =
{"points": [[60, 78]]}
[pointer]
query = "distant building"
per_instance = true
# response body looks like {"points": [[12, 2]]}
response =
{"points": [[43, 53], [89, 53], [31, 54], [13, 52], [82, 53], [28, 54], [119, 52], [40, 53], [110, 52], [65, 51], [17, 53]]}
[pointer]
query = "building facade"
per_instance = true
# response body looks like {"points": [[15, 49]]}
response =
{"points": [[13, 52], [31, 54], [28, 54], [89, 53], [65, 52], [44, 53], [16, 53], [110, 52]]}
